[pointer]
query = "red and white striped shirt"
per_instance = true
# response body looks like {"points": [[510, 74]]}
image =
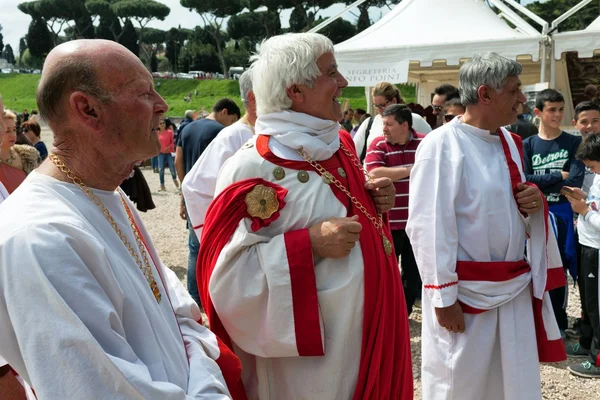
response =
{"points": [[384, 154]]}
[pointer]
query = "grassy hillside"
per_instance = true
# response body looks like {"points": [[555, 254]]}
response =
{"points": [[18, 92]]}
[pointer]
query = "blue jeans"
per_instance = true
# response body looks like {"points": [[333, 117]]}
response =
{"points": [[162, 157], [194, 246], [155, 162]]}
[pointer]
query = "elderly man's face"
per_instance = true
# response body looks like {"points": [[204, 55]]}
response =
{"points": [[505, 104], [321, 100], [133, 117]]}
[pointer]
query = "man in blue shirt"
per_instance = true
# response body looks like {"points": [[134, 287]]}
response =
{"points": [[550, 163], [193, 140]]}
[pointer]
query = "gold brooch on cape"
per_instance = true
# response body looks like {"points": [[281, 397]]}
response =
{"points": [[262, 202]]}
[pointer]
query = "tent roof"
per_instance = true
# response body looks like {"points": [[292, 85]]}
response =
{"points": [[428, 30], [584, 42]]}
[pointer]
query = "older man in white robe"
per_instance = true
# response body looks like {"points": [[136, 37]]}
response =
{"points": [[199, 184], [487, 318], [87, 308], [296, 269]]}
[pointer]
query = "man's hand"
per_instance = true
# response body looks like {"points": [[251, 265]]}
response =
{"points": [[529, 198], [335, 237], [565, 174], [383, 192], [451, 318], [182, 212], [578, 204]]}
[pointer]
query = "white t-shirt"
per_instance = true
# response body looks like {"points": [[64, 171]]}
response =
{"points": [[588, 227]]}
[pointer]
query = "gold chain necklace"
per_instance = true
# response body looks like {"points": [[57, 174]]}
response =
{"points": [[145, 266], [377, 222], [13, 157]]}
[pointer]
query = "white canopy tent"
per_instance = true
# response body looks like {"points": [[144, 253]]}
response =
{"points": [[424, 31], [584, 42]]}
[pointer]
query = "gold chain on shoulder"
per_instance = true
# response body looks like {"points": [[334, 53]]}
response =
{"points": [[145, 266], [377, 222]]}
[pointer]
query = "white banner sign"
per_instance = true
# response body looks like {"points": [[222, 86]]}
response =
{"points": [[365, 74]]}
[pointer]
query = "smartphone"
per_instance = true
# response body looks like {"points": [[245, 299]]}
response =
{"points": [[566, 191]]}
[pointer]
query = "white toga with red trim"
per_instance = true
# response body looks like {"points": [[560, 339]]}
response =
{"points": [[79, 320], [295, 322], [462, 208]]}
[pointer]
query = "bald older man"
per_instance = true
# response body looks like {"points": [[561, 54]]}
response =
{"points": [[88, 309]]}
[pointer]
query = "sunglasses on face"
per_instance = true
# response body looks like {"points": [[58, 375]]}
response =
{"points": [[24, 130], [449, 117], [381, 106]]}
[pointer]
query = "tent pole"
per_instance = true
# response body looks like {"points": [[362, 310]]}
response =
{"points": [[552, 66], [543, 71], [336, 16]]}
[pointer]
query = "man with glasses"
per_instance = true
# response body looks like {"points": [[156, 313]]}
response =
{"points": [[453, 108], [384, 94], [442, 94]]}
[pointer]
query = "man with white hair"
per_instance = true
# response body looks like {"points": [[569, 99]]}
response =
{"points": [[297, 270], [487, 316], [199, 184], [88, 309], [187, 119]]}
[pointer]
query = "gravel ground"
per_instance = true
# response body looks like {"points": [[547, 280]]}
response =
{"points": [[169, 234]]}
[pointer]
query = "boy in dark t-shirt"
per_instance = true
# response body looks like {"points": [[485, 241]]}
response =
{"points": [[550, 163]]}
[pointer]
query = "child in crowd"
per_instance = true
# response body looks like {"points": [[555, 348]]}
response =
{"points": [[550, 164], [588, 226]]}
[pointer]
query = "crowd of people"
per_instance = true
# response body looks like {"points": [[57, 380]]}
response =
{"points": [[313, 231]]}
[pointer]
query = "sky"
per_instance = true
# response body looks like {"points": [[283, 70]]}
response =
{"points": [[15, 23]]}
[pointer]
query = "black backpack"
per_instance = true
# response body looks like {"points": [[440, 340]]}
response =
{"points": [[364, 152]]}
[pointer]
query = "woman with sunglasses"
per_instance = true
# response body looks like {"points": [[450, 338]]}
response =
{"points": [[384, 95], [32, 131]]}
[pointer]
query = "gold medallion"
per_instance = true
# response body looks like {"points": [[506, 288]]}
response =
{"points": [[303, 176], [262, 202], [387, 245], [279, 173], [327, 178], [342, 172]]}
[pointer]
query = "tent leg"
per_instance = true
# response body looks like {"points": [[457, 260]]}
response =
{"points": [[369, 99], [543, 71], [552, 67]]}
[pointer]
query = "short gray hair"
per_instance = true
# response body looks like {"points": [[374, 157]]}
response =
{"points": [[486, 69], [75, 73], [245, 85], [283, 61], [189, 114]]}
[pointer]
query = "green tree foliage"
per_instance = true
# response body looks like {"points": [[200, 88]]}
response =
{"points": [[141, 11], [1, 40], [551, 9], [152, 41], [39, 38], [254, 26], [339, 30], [129, 38], [175, 40], [22, 48], [9, 55], [213, 14], [109, 28]]}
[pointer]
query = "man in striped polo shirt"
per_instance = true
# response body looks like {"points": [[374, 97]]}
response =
{"points": [[392, 155]]}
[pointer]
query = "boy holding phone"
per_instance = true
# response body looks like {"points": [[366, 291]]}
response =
{"points": [[588, 226], [550, 163]]}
